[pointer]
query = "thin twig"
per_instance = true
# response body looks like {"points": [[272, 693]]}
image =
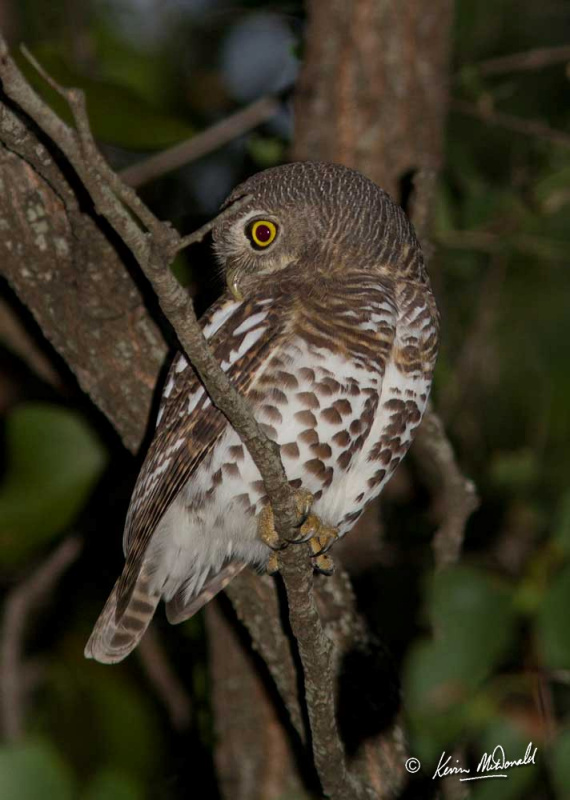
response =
{"points": [[315, 651], [432, 447], [529, 60], [201, 233], [159, 671], [154, 249], [202, 143], [75, 98], [504, 242], [459, 495], [528, 127], [17, 609], [423, 206]]}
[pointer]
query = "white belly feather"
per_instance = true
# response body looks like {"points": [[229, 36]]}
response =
{"points": [[201, 531]]}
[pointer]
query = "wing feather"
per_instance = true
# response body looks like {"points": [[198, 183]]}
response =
{"points": [[189, 424]]}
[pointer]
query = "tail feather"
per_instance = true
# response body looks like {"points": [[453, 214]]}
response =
{"points": [[113, 638], [181, 607]]}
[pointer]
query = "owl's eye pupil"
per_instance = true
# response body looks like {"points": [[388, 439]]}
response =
{"points": [[261, 233]]}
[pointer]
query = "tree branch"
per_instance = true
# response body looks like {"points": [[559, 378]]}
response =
{"points": [[202, 143], [154, 244], [529, 60], [435, 455], [528, 127], [254, 755], [17, 608], [64, 268], [169, 689], [432, 448]]}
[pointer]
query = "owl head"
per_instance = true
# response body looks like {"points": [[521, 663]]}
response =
{"points": [[322, 217]]}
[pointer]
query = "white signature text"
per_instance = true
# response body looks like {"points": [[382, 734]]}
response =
{"points": [[492, 765]]}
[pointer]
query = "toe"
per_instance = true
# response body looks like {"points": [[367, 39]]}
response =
{"points": [[308, 530], [303, 501], [323, 564], [272, 565]]}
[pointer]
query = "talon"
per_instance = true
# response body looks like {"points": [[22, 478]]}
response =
{"points": [[320, 537], [323, 564], [307, 530], [303, 501], [323, 541], [266, 529], [272, 564]]}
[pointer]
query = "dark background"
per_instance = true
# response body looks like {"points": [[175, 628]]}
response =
{"points": [[497, 669]]}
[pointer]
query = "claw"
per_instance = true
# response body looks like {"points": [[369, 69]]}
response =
{"points": [[307, 530], [324, 540], [266, 529], [272, 565], [323, 564], [303, 501], [320, 545], [312, 530]]}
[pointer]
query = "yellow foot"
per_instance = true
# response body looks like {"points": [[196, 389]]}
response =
{"points": [[323, 564], [265, 522], [266, 529], [272, 565], [303, 501], [321, 538]]}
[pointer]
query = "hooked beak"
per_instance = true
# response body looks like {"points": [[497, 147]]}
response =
{"points": [[233, 284]]}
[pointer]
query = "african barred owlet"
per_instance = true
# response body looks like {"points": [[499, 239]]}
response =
{"points": [[330, 329]]}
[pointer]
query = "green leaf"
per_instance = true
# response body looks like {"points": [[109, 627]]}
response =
{"points": [[434, 699], [110, 784], [53, 462], [266, 151], [34, 771], [473, 618], [473, 615], [553, 631], [124, 719], [515, 471]]}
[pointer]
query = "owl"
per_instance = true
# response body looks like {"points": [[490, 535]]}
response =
{"points": [[328, 326]]}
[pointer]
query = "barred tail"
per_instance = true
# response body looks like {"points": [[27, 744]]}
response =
{"points": [[113, 639], [183, 606]]}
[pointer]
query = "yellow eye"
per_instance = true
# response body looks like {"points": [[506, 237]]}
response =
{"points": [[262, 233]]}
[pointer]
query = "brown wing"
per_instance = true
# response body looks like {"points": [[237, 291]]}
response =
{"points": [[243, 336]]}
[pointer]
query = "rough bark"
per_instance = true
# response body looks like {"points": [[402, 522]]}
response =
{"points": [[372, 92], [66, 269], [372, 95], [154, 244], [253, 753]]}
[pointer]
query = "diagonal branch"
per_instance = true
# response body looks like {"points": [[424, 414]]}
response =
{"points": [[432, 448], [528, 60], [18, 606], [164, 680], [527, 127], [154, 245], [435, 454], [202, 143]]}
